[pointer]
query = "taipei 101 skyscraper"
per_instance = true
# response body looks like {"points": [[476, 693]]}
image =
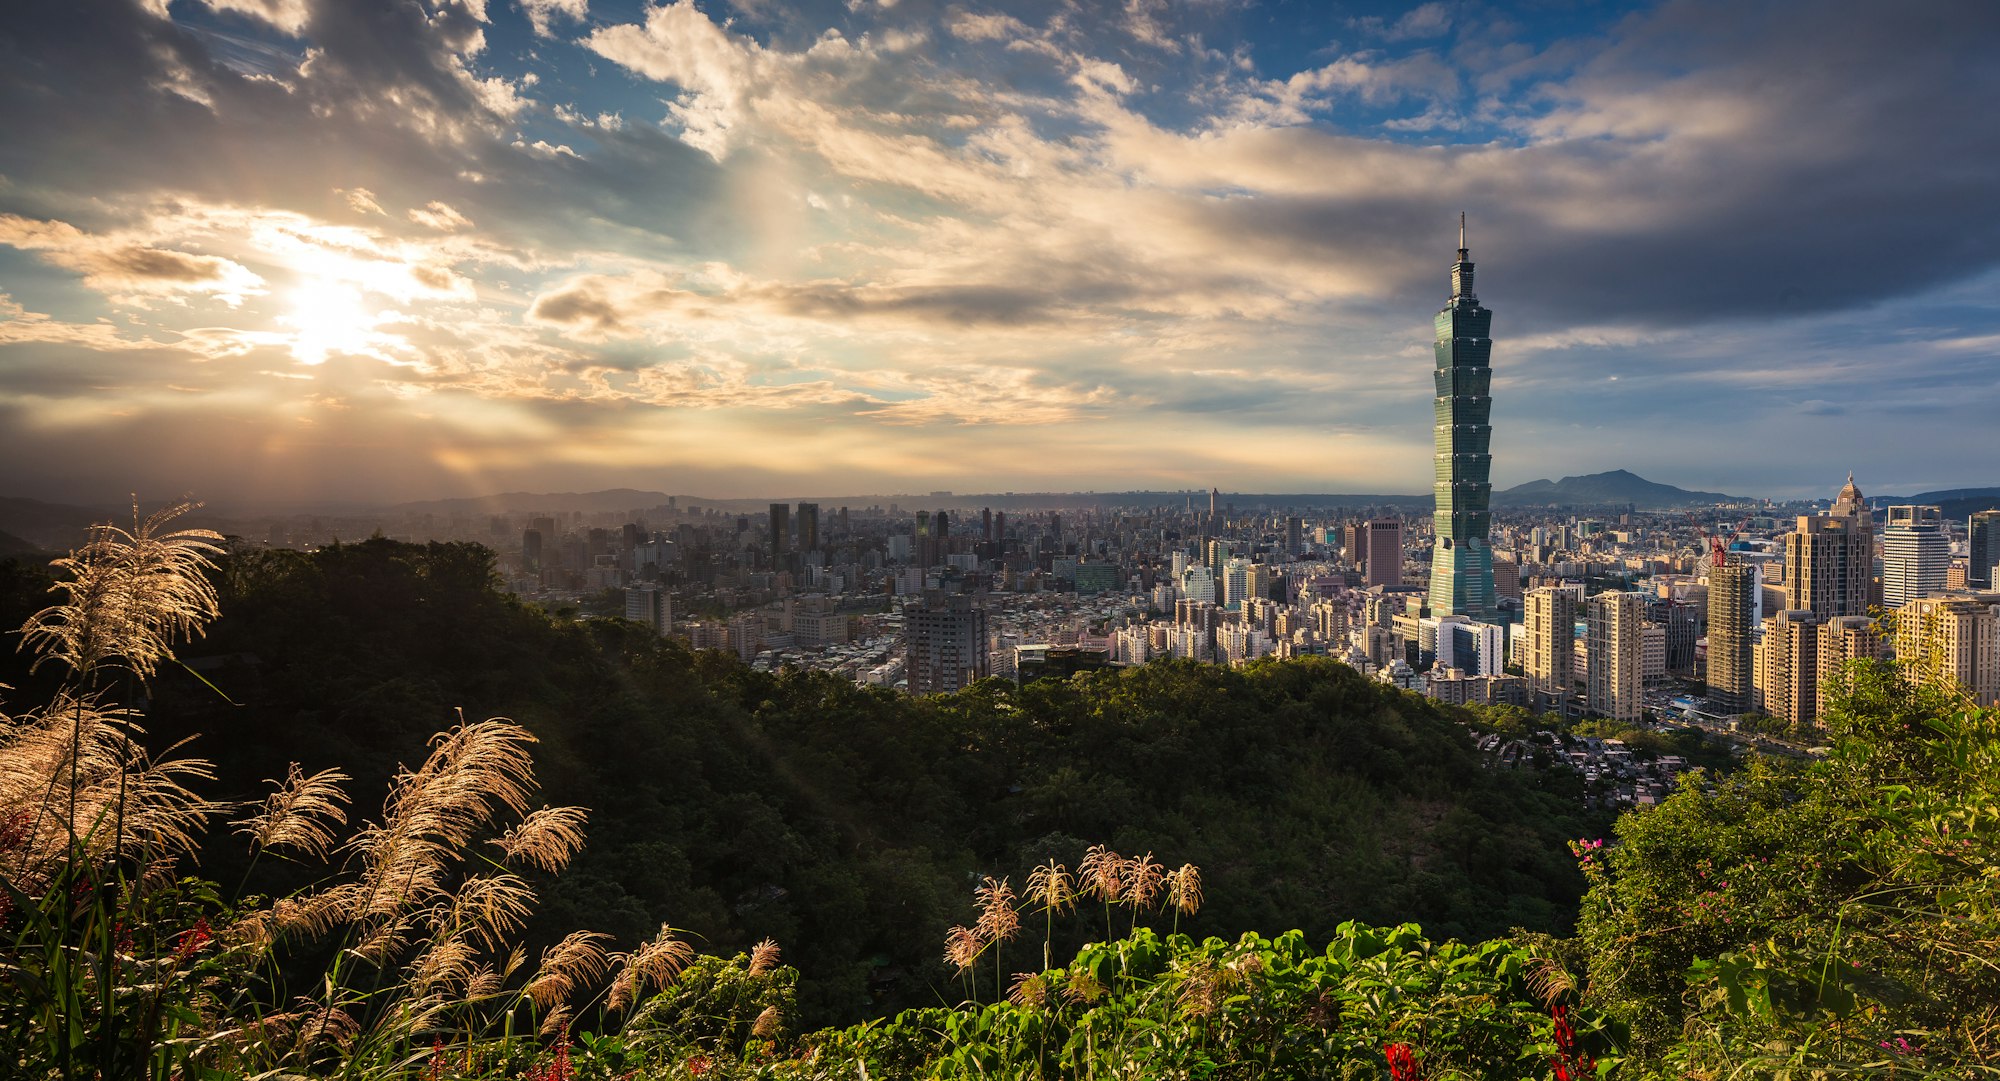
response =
{"points": [[1462, 563]]}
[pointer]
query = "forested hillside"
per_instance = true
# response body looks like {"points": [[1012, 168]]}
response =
{"points": [[816, 848], [851, 825]]}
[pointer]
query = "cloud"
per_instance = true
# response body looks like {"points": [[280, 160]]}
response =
{"points": [[122, 267], [1429, 20], [984, 26], [541, 13], [900, 222], [439, 216], [289, 16]]}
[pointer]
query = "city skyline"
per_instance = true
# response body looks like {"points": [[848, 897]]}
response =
{"points": [[314, 251]]}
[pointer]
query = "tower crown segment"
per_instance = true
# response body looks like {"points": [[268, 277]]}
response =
{"points": [[1461, 271]]}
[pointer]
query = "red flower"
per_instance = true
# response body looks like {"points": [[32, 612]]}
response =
{"points": [[192, 939], [1402, 1062], [1570, 1061], [436, 1069], [698, 1065], [558, 1067]]}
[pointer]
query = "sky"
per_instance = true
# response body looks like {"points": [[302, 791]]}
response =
{"points": [[293, 250]]}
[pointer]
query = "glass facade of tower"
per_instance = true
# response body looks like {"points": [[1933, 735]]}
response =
{"points": [[1462, 563]]}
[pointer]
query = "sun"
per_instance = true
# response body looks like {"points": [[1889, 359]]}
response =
{"points": [[328, 317]]}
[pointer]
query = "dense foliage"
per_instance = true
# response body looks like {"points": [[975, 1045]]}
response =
{"points": [[1827, 918], [847, 823], [1841, 916]]}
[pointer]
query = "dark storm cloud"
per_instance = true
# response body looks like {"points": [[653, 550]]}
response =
{"points": [[1710, 161]]}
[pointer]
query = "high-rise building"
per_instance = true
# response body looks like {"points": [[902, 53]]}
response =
{"points": [[1549, 640], [1788, 668], [1235, 583], [809, 527], [1295, 535], [1614, 670], [781, 532], [1982, 549], [1263, 580], [650, 605], [1733, 611], [1951, 643], [1829, 560], [531, 550], [1842, 641], [1471, 647], [1198, 583], [1381, 543], [1681, 624], [1329, 620], [1217, 555], [945, 640], [1915, 554], [1461, 562]]}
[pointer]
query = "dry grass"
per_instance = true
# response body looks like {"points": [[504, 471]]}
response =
{"points": [[654, 964], [300, 815], [998, 920], [546, 839], [763, 957], [74, 773], [962, 947], [1143, 876], [1184, 889], [1103, 874], [128, 594], [1051, 887]]}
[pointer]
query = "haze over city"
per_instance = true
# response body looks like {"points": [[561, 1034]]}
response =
{"points": [[292, 250]]}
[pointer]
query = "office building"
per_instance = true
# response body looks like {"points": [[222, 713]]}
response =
{"points": [[1473, 648], [1235, 583], [781, 533], [1952, 643], [1680, 624], [1548, 632], [945, 644], [650, 605], [1734, 609], [1613, 648], [1461, 561], [1788, 668], [1381, 545], [809, 527], [1982, 549], [1829, 560], [1915, 554]]}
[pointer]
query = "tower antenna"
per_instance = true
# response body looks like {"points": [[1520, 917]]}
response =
{"points": [[1461, 230]]}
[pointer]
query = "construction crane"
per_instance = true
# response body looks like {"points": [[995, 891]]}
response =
{"points": [[1718, 547]]}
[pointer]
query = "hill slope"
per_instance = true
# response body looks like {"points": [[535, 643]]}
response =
{"points": [[851, 824]]}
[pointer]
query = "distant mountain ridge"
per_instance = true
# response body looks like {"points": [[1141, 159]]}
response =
{"points": [[1617, 486], [1953, 503]]}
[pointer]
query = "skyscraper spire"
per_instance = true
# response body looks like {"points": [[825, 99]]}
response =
{"points": [[1462, 564]]}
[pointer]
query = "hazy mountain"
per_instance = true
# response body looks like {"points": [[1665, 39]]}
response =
{"points": [[614, 499], [1957, 503], [52, 527], [1617, 486]]}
